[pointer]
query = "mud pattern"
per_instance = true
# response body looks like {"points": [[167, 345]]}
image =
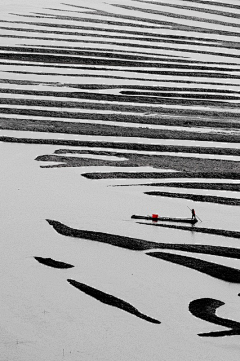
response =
{"points": [[111, 300]]}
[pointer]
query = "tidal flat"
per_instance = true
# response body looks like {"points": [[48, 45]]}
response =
{"points": [[107, 110]]}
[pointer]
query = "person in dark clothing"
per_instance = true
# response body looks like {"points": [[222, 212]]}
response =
{"points": [[193, 214]]}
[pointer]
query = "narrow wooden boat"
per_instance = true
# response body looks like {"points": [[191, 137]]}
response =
{"points": [[166, 219]]}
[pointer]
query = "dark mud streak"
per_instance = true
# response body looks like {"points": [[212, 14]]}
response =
{"points": [[169, 39], [160, 38], [173, 95], [132, 146], [159, 148], [226, 5], [234, 187], [219, 232], [179, 16], [215, 270], [111, 300], [205, 309], [197, 197], [115, 240], [132, 45], [183, 39], [194, 8], [103, 130], [106, 97], [155, 175], [116, 117], [65, 58], [207, 116], [142, 245], [52, 263]]}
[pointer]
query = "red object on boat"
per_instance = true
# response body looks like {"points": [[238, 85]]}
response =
{"points": [[154, 215]]}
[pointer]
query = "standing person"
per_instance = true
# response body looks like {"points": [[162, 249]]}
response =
{"points": [[193, 214]]}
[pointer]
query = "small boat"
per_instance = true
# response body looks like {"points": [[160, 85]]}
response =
{"points": [[166, 219]]}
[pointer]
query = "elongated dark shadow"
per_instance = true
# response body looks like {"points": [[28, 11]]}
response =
{"points": [[52, 263], [221, 272], [205, 309], [140, 244], [111, 300]]}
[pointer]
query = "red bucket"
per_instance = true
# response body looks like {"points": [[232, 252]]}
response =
{"points": [[154, 216]]}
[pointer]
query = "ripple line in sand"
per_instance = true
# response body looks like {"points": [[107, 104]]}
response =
{"points": [[111, 300], [205, 309]]}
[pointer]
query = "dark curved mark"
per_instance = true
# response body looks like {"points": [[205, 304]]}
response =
{"points": [[218, 271], [219, 232], [205, 309], [111, 300], [197, 197], [52, 263]]}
